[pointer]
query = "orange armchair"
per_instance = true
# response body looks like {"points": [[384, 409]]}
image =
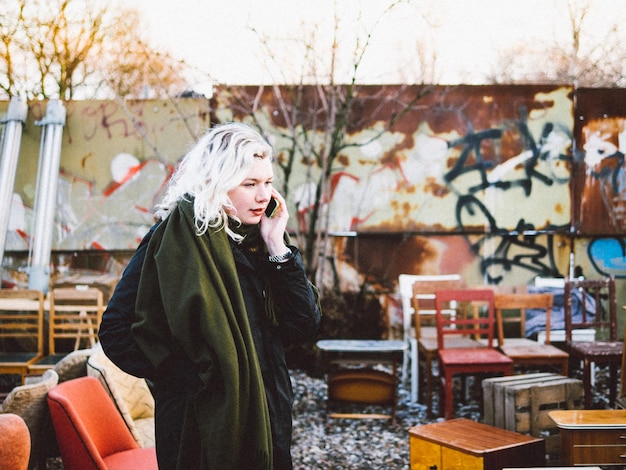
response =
{"points": [[90, 431]]}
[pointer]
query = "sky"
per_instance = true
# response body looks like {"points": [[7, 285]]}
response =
{"points": [[216, 37]]}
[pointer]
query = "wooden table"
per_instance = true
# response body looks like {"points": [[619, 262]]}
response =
{"points": [[462, 444], [362, 385], [592, 437]]}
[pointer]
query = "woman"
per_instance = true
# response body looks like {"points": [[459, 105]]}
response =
{"points": [[219, 292]]}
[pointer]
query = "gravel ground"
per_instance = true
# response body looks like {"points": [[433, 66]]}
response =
{"points": [[364, 444], [355, 444]]}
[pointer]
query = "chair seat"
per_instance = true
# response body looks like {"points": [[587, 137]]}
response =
{"points": [[597, 349], [137, 459], [466, 357], [18, 357], [428, 332], [533, 350]]}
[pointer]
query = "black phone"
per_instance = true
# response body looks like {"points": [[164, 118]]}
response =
{"points": [[271, 208]]}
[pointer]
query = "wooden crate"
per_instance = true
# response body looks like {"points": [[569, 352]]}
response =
{"points": [[493, 410], [522, 404]]}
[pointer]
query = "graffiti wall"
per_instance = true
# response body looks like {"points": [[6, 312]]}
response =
{"points": [[500, 184], [115, 159]]}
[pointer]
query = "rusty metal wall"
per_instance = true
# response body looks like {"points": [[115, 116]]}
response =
{"points": [[500, 183]]}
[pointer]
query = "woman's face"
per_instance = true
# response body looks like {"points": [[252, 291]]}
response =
{"points": [[253, 194]]}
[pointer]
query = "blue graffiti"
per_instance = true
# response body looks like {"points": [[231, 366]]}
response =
{"points": [[608, 256]]}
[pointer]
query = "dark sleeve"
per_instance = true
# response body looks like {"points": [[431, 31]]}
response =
{"points": [[296, 300], [115, 330]]}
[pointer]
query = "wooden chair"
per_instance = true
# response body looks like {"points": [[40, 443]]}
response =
{"points": [[74, 317], [466, 361], [423, 301], [90, 431], [597, 309], [405, 287], [524, 351], [21, 330]]}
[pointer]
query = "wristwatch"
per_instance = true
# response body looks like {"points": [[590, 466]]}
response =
{"points": [[281, 258]]}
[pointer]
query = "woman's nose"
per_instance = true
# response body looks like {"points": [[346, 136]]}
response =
{"points": [[264, 194]]}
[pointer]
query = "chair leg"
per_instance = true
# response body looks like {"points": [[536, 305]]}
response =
{"points": [[445, 406], [414, 375], [428, 376], [587, 383], [613, 390]]}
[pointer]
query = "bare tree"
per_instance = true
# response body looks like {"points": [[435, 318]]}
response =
{"points": [[583, 61], [315, 120], [71, 49], [136, 70]]}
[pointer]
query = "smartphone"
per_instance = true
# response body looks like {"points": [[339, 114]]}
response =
{"points": [[271, 208]]}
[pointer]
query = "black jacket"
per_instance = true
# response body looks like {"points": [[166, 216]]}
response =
{"points": [[298, 317]]}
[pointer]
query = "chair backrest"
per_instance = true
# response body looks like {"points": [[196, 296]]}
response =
{"points": [[423, 299], [519, 303], [22, 321], [87, 424], [476, 321], [591, 303], [405, 288], [75, 315]]}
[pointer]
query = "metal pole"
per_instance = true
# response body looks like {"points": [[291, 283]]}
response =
{"points": [[11, 137], [46, 195]]}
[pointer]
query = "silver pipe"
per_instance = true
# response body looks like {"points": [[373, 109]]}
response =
{"points": [[46, 195], [11, 136]]}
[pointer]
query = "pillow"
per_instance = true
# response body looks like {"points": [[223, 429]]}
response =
{"points": [[73, 365], [132, 390]]}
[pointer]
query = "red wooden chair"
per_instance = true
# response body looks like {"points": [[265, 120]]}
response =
{"points": [[423, 302], [91, 433], [596, 308], [466, 361]]}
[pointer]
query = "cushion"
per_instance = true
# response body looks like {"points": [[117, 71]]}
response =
{"points": [[14, 442], [130, 394]]}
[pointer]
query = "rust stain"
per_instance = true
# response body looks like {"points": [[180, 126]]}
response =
{"points": [[436, 189], [558, 208], [386, 258], [83, 160]]}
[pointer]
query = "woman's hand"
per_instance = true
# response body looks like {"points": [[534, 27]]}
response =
{"points": [[273, 228]]}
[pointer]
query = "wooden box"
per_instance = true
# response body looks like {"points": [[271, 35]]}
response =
{"points": [[462, 444], [522, 403]]}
